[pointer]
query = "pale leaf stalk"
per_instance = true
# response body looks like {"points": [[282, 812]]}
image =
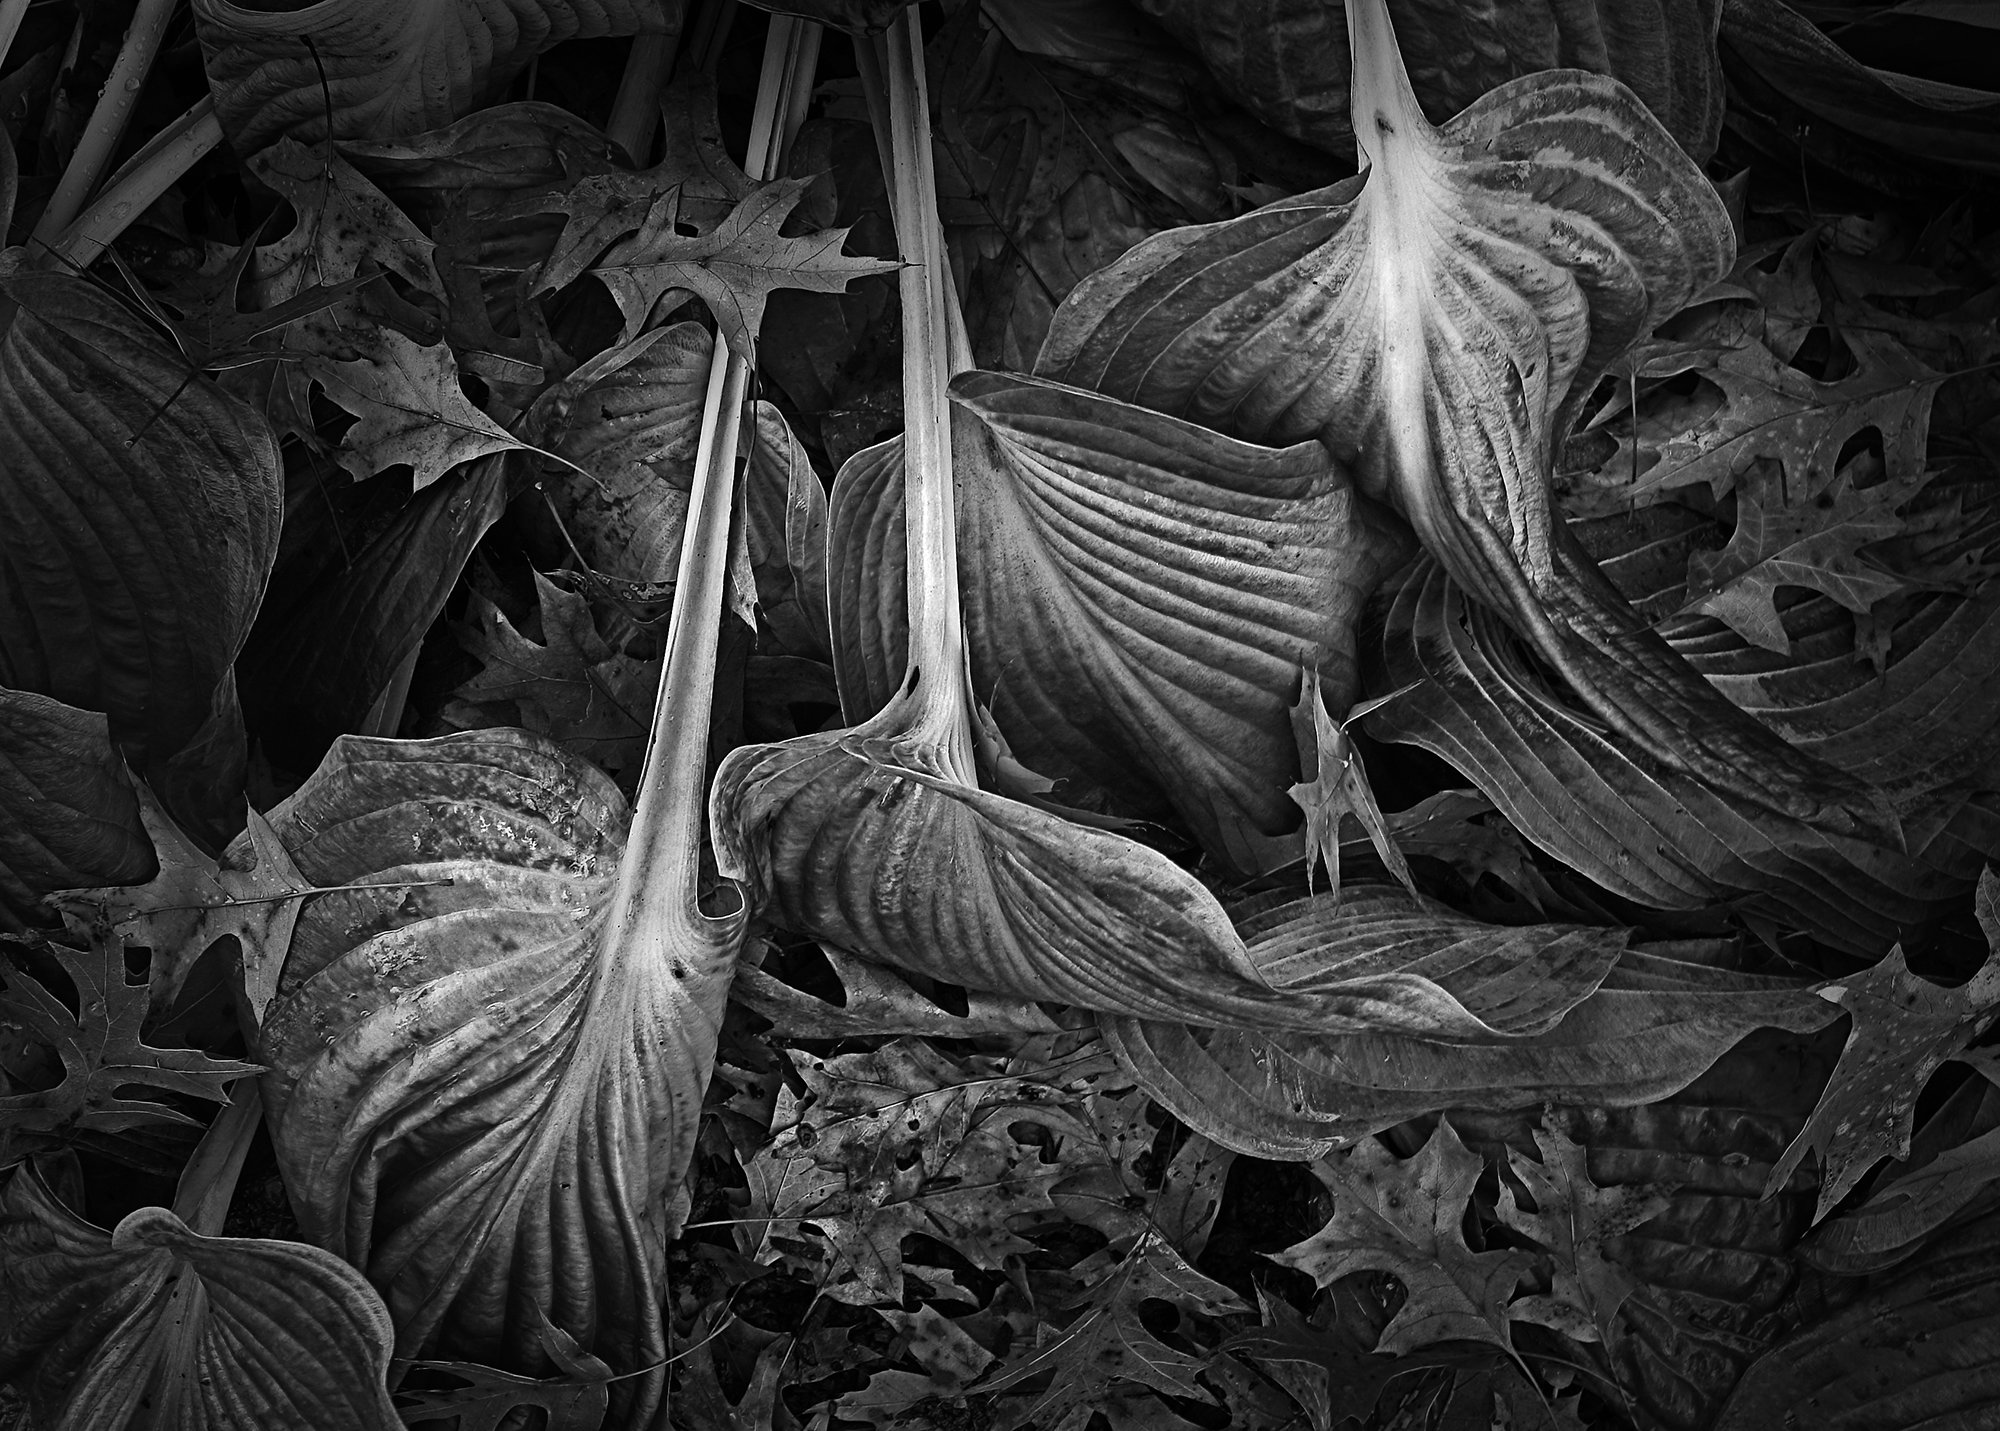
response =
{"points": [[12, 13], [138, 182], [635, 111], [936, 625], [662, 860], [115, 104], [208, 1182]]}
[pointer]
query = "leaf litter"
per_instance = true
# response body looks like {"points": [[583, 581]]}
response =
{"points": [[911, 1202]]}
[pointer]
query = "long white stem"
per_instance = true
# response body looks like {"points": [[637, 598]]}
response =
{"points": [[937, 633], [208, 1182], [138, 182], [635, 111], [666, 828], [107, 122]]}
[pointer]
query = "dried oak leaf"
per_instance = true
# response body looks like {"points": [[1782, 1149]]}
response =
{"points": [[1904, 1029], [1407, 1218], [1572, 1218]]}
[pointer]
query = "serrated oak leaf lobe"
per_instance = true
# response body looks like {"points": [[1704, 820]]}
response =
{"points": [[1438, 321], [476, 1096], [153, 1324], [1140, 596]]}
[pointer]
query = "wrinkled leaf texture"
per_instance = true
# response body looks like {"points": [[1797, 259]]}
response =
{"points": [[1649, 1026], [68, 815], [1288, 59], [1140, 597], [1437, 321], [473, 1098], [1917, 1350], [154, 1325], [139, 519], [391, 67]]}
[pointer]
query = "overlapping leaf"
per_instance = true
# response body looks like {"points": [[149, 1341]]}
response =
{"points": [[139, 519], [1288, 59], [68, 816], [377, 69], [152, 1324], [484, 1077], [1140, 597], [1651, 1027]]}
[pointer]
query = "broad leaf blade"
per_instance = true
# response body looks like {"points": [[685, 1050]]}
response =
{"points": [[139, 519], [389, 68], [468, 1077], [153, 1324], [68, 814], [1140, 595]]}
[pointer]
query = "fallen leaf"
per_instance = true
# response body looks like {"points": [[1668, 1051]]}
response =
{"points": [[1406, 1218], [1338, 788], [1905, 1028]]}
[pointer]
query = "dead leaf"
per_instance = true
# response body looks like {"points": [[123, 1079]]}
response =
{"points": [[1338, 787]]}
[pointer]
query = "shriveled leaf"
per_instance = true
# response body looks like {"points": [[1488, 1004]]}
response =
{"points": [[785, 509], [734, 268], [139, 517], [1438, 322], [1336, 786], [1915, 1350], [468, 1076], [1573, 1217], [1650, 834], [68, 814], [1139, 595], [879, 1001], [112, 1079], [389, 68], [1406, 1218], [1288, 59], [576, 1401], [1905, 1027], [1651, 1027], [154, 1325]]}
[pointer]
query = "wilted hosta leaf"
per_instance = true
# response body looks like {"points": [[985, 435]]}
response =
{"points": [[483, 1090], [139, 512], [1651, 1027], [68, 816], [154, 1325], [785, 511], [1335, 786], [1438, 321], [1288, 59], [630, 418], [1916, 1350], [1653, 835], [1905, 1027], [1406, 1219], [391, 67], [1140, 596]]}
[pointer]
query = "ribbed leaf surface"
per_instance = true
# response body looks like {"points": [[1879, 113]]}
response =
{"points": [[1436, 321], [473, 1096], [1655, 835], [154, 1325], [391, 67], [1920, 1350], [845, 837], [1287, 59], [1140, 596], [68, 816], [1650, 1028], [139, 512]]}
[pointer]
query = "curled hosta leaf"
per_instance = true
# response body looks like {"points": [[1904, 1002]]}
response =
{"points": [[389, 68], [155, 1325], [1140, 596], [1655, 836], [482, 1090], [1288, 59], [1437, 322], [68, 815], [139, 515], [1916, 1350], [1650, 1028]]}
